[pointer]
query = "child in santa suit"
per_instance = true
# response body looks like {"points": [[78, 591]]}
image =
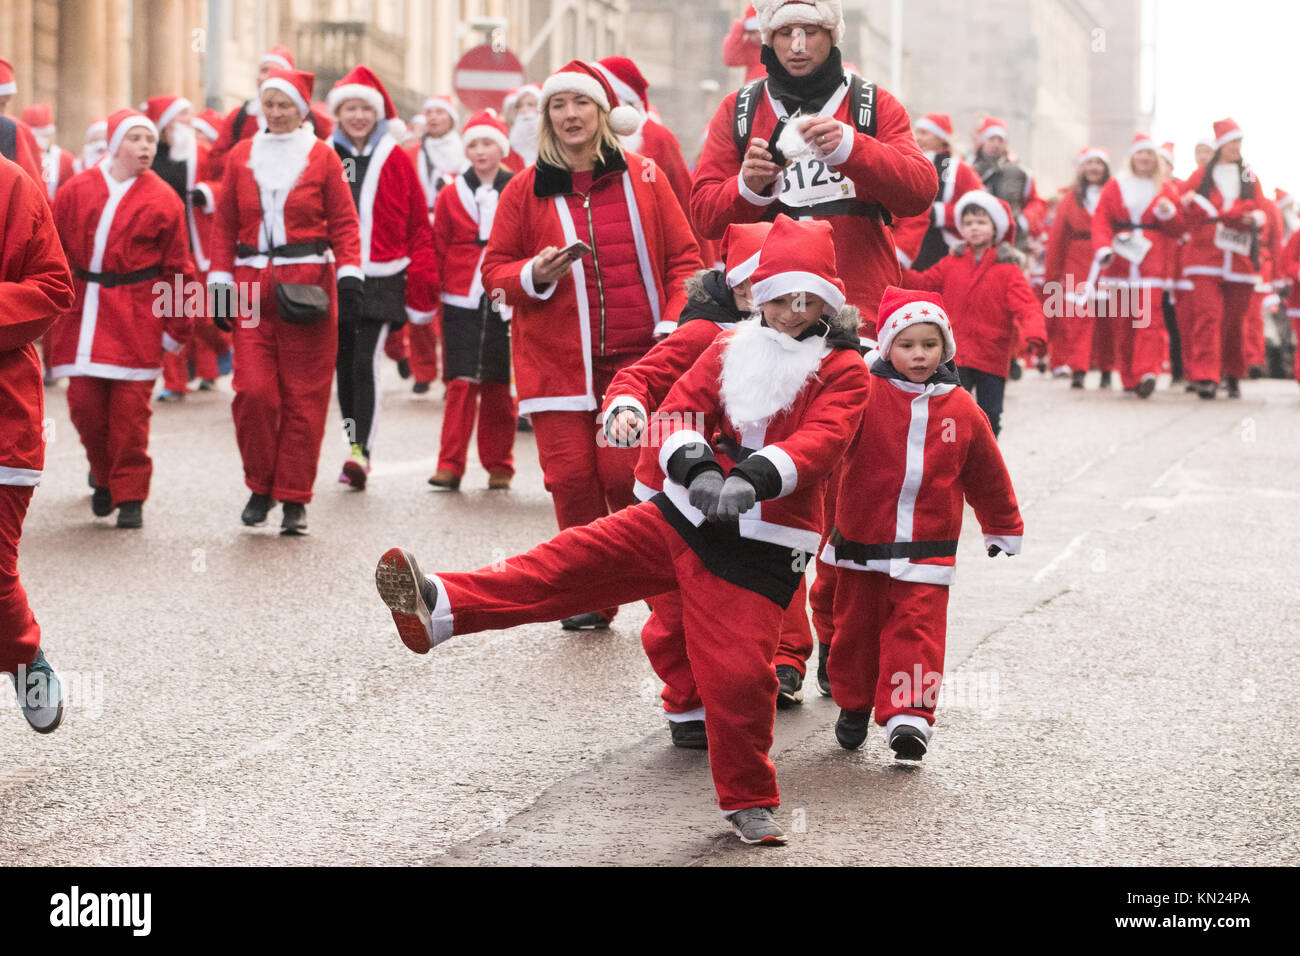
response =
{"points": [[35, 288], [731, 528], [124, 231], [924, 449], [984, 284], [475, 328], [717, 300]]}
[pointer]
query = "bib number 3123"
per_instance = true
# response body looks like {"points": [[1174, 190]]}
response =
{"points": [[810, 181]]}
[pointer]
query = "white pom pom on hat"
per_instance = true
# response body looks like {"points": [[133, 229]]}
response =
{"points": [[585, 79]]}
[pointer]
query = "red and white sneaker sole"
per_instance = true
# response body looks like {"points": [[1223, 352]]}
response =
{"points": [[354, 474], [397, 577]]}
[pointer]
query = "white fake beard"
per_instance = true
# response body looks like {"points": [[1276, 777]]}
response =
{"points": [[278, 159], [763, 371], [445, 152], [523, 136], [184, 144], [92, 153]]}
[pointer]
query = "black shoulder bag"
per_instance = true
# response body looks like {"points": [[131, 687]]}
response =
{"points": [[296, 302]]}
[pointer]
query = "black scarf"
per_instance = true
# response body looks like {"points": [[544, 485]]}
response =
{"points": [[806, 93], [174, 172]]}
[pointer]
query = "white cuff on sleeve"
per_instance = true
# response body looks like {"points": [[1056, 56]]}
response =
{"points": [[752, 197], [618, 404], [938, 214], [842, 151], [1167, 216], [419, 318], [221, 278], [209, 204], [664, 327], [351, 272], [1205, 204], [675, 441], [1008, 543], [784, 465], [1260, 217], [530, 289], [171, 345]]}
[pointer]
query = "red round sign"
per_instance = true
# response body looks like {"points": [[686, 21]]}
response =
{"points": [[484, 76]]}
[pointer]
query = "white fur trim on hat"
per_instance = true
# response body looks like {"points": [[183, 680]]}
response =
{"points": [[751, 25], [204, 127], [42, 130], [8, 89], [582, 83], [1227, 138], [787, 283], [1141, 144], [625, 93], [355, 91], [276, 59], [289, 90], [169, 114], [131, 122], [992, 131], [471, 133], [441, 103], [1095, 153], [775, 14], [910, 314], [930, 125], [99, 126], [738, 274], [990, 204]]}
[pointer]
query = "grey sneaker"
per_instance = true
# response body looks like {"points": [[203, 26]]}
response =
{"points": [[40, 694], [756, 825], [789, 690]]}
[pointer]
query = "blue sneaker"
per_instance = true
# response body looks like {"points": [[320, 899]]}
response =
{"points": [[225, 362], [40, 694], [167, 395]]}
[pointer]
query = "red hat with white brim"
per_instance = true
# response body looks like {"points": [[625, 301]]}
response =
{"points": [[798, 255], [742, 243], [485, 124], [625, 77], [901, 308], [998, 209], [1142, 141], [277, 56], [8, 81], [992, 126], [1092, 152], [1225, 131], [940, 124], [361, 84], [163, 109], [122, 122], [587, 80], [295, 84], [40, 118]]}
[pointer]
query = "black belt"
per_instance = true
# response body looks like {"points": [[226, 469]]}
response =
{"points": [[293, 250], [860, 553], [110, 279], [733, 450], [836, 207], [1071, 235]]}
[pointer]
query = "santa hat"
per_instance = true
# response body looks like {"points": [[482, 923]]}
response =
{"points": [[513, 96], [1092, 152], [121, 122], [1283, 199], [1166, 151], [8, 82], [361, 84], [940, 124], [1206, 141], [900, 308], [445, 103], [208, 123], [751, 19], [277, 56], [163, 109], [1225, 131], [626, 80], [798, 255], [992, 126], [295, 84], [40, 118], [485, 124], [322, 120], [775, 14], [998, 209], [98, 126], [587, 80], [741, 244], [1140, 142]]}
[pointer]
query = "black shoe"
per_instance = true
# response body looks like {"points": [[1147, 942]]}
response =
{"points": [[907, 742], [90, 479], [40, 695], [1255, 371], [208, 385], [130, 514], [1146, 386], [789, 691], [689, 734], [1042, 366], [404, 368], [523, 425], [1191, 387], [101, 503], [823, 681], [1105, 380], [419, 388], [1076, 379], [1016, 370], [851, 728], [256, 510], [295, 518], [1234, 388], [591, 621], [1207, 388]]}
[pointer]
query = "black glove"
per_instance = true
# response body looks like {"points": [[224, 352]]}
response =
{"points": [[704, 490], [737, 497], [198, 198], [994, 551], [350, 298], [221, 305]]}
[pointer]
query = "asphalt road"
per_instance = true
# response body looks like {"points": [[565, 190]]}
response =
{"points": [[1121, 693]]}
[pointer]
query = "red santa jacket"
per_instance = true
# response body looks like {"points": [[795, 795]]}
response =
{"points": [[316, 211], [987, 302], [27, 152], [657, 142], [1068, 259], [394, 224], [909, 233], [737, 51], [128, 248], [1288, 274], [551, 336], [924, 450], [459, 236], [35, 288], [1126, 202], [888, 170], [1224, 209], [786, 457]]}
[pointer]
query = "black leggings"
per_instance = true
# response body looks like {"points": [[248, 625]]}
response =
{"points": [[361, 346], [988, 389]]}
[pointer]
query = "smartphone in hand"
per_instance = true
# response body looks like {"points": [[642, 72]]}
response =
{"points": [[778, 157], [575, 251]]}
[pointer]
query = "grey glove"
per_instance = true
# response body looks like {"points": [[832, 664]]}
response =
{"points": [[737, 497], [704, 490]]}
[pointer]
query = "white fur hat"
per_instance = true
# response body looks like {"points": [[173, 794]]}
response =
{"points": [[775, 14]]}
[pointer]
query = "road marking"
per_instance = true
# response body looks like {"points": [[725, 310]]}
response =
{"points": [[1063, 556]]}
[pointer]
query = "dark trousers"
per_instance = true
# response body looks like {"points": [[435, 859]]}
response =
{"points": [[988, 390], [1175, 339], [361, 345]]}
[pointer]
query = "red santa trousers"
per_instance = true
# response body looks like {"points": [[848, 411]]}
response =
{"points": [[1140, 339], [283, 375], [422, 350], [1102, 352], [20, 635], [1254, 351], [203, 349], [664, 643], [1213, 343], [112, 418], [730, 633], [889, 645], [494, 407], [1072, 344], [821, 595]]}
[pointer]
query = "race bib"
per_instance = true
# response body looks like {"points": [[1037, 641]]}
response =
{"points": [[810, 181], [1134, 247], [1236, 241]]}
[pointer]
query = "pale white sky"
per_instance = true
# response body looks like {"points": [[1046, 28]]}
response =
{"points": [[1238, 58]]}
